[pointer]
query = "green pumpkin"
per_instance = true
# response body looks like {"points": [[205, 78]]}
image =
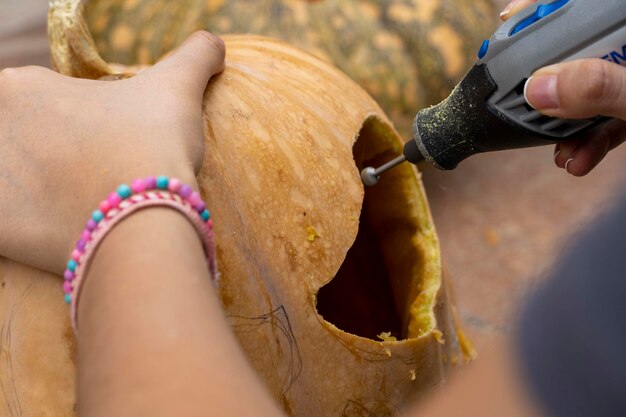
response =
{"points": [[407, 54]]}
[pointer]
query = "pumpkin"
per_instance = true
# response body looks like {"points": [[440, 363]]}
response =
{"points": [[408, 54], [335, 295]]}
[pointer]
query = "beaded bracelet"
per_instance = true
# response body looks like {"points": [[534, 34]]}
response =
{"points": [[148, 192]]}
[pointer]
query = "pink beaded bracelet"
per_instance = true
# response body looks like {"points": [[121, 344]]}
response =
{"points": [[148, 192]]}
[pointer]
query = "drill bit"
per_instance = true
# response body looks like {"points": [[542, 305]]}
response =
{"points": [[370, 175]]}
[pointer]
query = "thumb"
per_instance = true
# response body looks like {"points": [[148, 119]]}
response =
{"points": [[579, 89], [514, 7], [192, 64]]}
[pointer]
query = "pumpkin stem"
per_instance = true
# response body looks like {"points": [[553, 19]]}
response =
{"points": [[72, 48]]}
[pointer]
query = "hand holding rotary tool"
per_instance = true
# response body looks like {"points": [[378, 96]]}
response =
{"points": [[491, 108]]}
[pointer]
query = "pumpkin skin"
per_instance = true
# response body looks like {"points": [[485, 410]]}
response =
{"points": [[281, 176], [407, 54]]}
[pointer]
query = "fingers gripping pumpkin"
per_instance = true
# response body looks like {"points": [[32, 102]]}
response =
{"points": [[335, 294]]}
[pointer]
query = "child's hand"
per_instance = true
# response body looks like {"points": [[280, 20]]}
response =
{"points": [[66, 143], [578, 90]]}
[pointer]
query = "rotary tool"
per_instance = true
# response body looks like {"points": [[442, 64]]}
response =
{"points": [[488, 111]]}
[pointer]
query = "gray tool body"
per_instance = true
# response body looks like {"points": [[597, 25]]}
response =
{"points": [[487, 111]]}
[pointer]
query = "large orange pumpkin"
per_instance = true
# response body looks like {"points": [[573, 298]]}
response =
{"points": [[335, 294], [406, 53]]}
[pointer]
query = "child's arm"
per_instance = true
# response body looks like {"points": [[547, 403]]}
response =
{"points": [[152, 336]]}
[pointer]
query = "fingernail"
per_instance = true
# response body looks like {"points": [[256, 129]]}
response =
{"points": [[567, 165], [540, 92], [507, 9], [557, 151]]}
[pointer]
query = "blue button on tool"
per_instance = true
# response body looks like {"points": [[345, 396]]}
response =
{"points": [[483, 49], [542, 11]]}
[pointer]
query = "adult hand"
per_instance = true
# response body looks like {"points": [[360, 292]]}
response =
{"points": [[578, 90], [66, 143]]}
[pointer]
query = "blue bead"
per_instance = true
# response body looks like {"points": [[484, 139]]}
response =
{"points": [[68, 298], [206, 215], [162, 182], [97, 216], [124, 191], [71, 265]]}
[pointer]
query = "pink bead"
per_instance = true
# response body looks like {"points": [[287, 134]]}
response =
{"points": [[80, 245], [67, 287], [114, 199], [91, 224], [194, 198], [76, 255], [85, 235], [185, 191], [210, 223], [150, 183], [138, 186], [68, 275], [200, 206], [104, 206], [174, 185]]}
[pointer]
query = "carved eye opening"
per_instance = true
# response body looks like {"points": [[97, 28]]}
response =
{"points": [[380, 279]]}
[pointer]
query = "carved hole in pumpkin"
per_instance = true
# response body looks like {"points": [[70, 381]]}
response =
{"points": [[375, 286]]}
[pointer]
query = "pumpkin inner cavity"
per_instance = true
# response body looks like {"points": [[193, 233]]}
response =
{"points": [[379, 280]]}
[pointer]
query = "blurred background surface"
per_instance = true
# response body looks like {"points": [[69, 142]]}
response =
{"points": [[503, 218], [23, 38]]}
